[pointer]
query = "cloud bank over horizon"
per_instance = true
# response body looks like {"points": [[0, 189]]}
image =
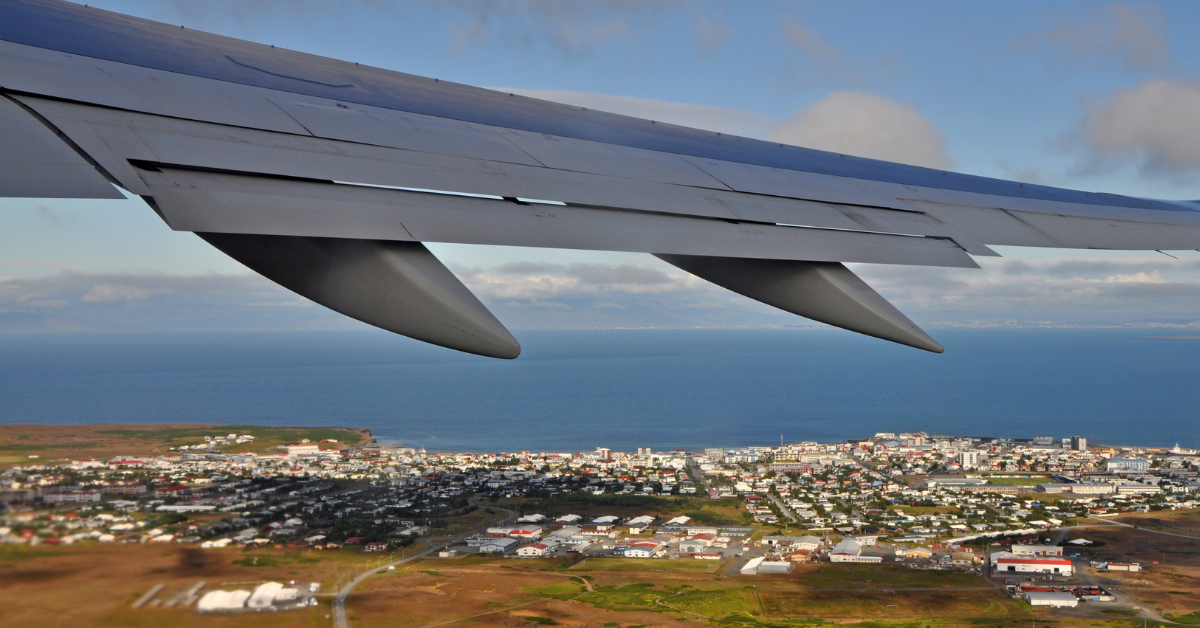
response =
{"points": [[1095, 291]]}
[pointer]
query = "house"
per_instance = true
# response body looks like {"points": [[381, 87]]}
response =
{"points": [[692, 546], [376, 546], [532, 550]]}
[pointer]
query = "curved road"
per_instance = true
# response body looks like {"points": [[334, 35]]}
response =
{"points": [[340, 620]]}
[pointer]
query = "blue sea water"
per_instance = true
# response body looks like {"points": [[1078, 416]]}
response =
{"points": [[575, 390]]}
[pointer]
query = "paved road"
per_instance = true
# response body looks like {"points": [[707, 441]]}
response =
{"points": [[1144, 611], [697, 475], [340, 620], [783, 508]]}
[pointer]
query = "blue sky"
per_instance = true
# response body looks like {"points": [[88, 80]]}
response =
{"points": [[1091, 95]]}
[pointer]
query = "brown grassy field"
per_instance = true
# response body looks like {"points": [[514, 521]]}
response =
{"points": [[893, 606], [94, 585], [58, 442], [477, 591], [1178, 521], [1172, 590], [436, 593], [1128, 545]]}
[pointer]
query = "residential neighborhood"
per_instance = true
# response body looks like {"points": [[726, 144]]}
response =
{"points": [[987, 506]]}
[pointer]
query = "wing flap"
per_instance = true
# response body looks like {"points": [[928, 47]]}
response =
{"points": [[238, 203], [116, 137], [36, 163]]}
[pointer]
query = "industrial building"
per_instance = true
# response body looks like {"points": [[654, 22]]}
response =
{"points": [[497, 546], [267, 596], [222, 601], [1057, 599], [767, 566], [1010, 562], [1025, 549], [850, 551]]}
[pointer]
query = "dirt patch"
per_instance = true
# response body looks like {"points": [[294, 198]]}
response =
{"points": [[1129, 545], [94, 585]]}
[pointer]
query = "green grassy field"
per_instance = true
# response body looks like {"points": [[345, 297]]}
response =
{"points": [[265, 438], [850, 576], [49, 443], [888, 606], [683, 565], [1018, 481], [713, 603]]}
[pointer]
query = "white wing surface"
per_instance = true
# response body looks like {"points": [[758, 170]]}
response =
{"points": [[325, 176]]}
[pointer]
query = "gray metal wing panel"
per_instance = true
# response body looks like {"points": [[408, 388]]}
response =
{"points": [[71, 77], [114, 137], [35, 163], [415, 132], [231, 203], [93, 33]]}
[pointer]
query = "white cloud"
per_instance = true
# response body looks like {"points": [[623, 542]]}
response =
{"points": [[139, 302], [573, 29], [1133, 37], [866, 125], [707, 117], [804, 40], [1122, 289], [711, 32], [854, 123], [1155, 124], [1117, 290]]}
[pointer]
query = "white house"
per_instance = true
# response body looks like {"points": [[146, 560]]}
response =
{"points": [[532, 550]]}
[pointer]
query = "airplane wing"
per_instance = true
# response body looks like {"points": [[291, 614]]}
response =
{"points": [[326, 176]]}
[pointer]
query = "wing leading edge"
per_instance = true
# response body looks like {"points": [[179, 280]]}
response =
{"points": [[325, 177]]}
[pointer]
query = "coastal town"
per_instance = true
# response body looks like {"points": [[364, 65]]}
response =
{"points": [[1018, 512]]}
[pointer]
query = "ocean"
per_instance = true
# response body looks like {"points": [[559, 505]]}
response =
{"points": [[577, 390]]}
